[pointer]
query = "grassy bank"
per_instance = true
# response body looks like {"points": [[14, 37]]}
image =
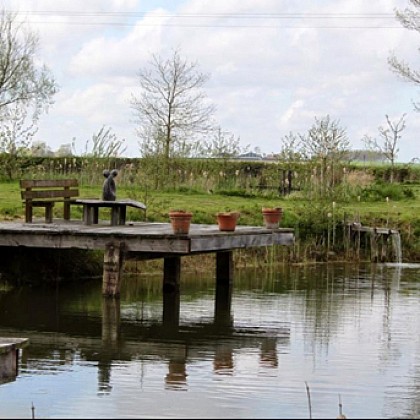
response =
{"points": [[320, 225]]}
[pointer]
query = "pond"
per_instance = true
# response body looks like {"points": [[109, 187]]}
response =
{"points": [[294, 342]]}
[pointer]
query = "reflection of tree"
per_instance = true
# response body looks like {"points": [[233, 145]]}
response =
{"points": [[331, 291]]}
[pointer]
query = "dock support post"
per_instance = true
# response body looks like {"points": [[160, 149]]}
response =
{"points": [[171, 297], [224, 282], [113, 264], [9, 357], [9, 364]]}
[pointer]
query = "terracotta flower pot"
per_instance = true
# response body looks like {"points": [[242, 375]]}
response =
{"points": [[227, 220], [272, 217], [180, 221]]}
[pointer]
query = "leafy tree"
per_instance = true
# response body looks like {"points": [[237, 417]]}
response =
{"points": [[326, 146], [40, 148], [289, 158], [388, 147], [171, 111], [410, 19], [222, 144], [15, 138], [26, 90], [21, 80], [65, 150]]}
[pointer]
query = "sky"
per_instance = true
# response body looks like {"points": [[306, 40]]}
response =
{"points": [[274, 65]]}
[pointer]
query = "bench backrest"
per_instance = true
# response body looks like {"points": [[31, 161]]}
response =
{"points": [[49, 188], [46, 192]]}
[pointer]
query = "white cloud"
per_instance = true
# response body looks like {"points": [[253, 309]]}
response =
{"points": [[269, 74]]}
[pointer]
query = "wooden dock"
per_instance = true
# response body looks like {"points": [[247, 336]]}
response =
{"points": [[384, 242], [9, 357], [143, 240]]}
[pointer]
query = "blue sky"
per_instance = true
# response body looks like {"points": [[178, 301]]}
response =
{"points": [[274, 65]]}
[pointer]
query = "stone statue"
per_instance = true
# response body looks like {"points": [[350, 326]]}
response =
{"points": [[109, 192]]}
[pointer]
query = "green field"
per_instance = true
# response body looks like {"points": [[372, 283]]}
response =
{"points": [[395, 206]]}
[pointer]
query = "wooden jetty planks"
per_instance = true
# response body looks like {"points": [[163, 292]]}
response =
{"points": [[140, 237], [143, 240], [9, 356]]}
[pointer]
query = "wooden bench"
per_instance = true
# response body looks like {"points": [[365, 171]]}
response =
{"points": [[45, 193], [118, 210]]}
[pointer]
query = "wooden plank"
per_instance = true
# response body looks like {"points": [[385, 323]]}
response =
{"points": [[10, 343], [149, 238], [116, 203], [48, 183], [285, 237], [94, 241], [230, 241], [34, 194]]}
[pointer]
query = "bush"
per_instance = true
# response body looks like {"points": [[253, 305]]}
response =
{"points": [[380, 192]]}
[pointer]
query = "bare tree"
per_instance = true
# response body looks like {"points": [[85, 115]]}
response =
{"points": [[172, 109], [105, 144], [410, 19], [388, 146]]}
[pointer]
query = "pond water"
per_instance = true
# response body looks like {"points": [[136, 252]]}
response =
{"points": [[290, 343]]}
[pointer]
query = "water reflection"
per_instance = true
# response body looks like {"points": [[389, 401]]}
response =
{"points": [[76, 333], [247, 351]]}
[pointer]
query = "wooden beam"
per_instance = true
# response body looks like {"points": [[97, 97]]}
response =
{"points": [[112, 270], [224, 286], [171, 273], [224, 267], [171, 294]]}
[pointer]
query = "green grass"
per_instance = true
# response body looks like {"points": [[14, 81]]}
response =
{"points": [[313, 221], [206, 205]]}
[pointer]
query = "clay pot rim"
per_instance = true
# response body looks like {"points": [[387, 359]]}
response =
{"points": [[182, 213], [229, 214], [272, 210]]}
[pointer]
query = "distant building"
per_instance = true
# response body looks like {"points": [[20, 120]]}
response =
{"points": [[250, 156], [366, 156]]}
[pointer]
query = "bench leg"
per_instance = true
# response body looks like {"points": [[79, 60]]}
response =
{"points": [[95, 215], [49, 213], [66, 210], [118, 215], [115, 216], [123, 213], [87, 215], [28, 214]]}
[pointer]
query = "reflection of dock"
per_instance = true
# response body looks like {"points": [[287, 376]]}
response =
{"points": [[9, 357], [110, 337], [178, 349]]}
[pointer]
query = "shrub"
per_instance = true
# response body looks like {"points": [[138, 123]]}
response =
{"points": [[380, 192]]}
